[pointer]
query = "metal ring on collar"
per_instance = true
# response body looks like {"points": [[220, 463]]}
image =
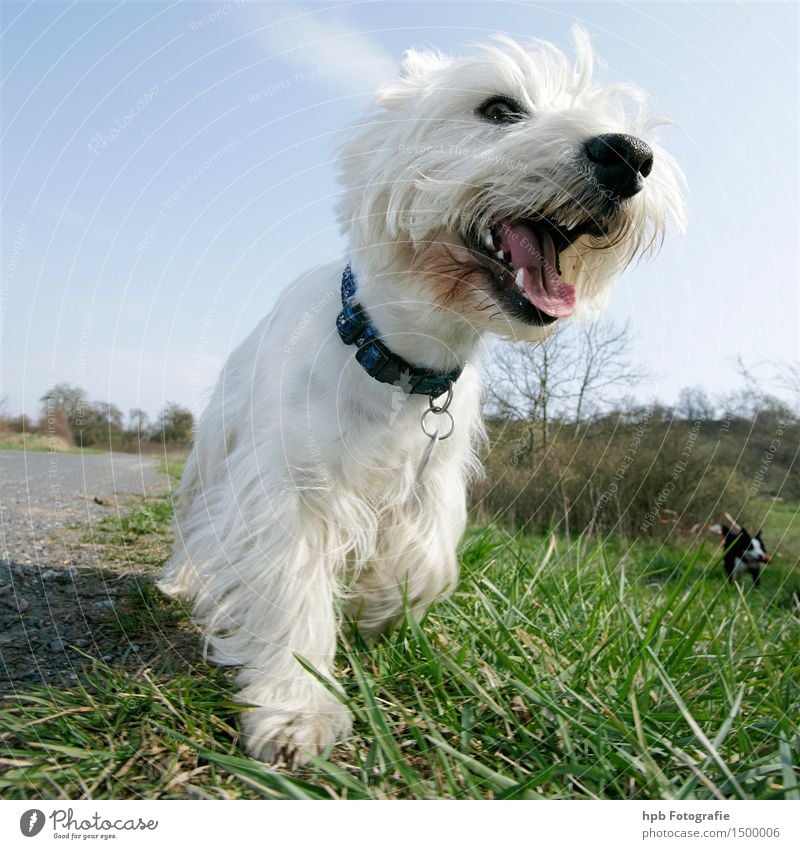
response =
{"points": [[436, 412]]}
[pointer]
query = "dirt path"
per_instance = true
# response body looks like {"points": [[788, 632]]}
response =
{"points": [[57, 593]]}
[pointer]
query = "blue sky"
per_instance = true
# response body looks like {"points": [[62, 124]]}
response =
{"points": [[166, 171]]}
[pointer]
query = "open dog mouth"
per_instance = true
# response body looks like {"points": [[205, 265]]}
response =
{"points": [[522, 260]]}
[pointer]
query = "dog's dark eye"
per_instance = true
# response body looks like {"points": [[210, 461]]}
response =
{"points": [[502, 110]]}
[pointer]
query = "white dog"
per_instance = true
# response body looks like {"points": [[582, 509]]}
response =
{"points": [[493, 194]]}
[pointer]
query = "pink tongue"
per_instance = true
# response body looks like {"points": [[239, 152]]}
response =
{"points": [[533, 251]]}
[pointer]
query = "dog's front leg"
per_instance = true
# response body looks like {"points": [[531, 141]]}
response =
{"points": [[290, 615]]}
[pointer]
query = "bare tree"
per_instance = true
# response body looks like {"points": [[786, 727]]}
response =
{"points": [[785, 376], [789, 377], [756, 392], [71, 399], [175, 424], [528, 381], [570, 375], [695, 405], [138, 423], [603, 364]]}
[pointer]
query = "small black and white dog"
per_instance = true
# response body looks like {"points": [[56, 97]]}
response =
{"points": [[743, 554]]}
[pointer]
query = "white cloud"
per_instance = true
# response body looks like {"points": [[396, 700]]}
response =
{"points": [[320, 48]]}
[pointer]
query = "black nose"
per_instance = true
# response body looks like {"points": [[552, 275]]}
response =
{"points": [[619, 162]]}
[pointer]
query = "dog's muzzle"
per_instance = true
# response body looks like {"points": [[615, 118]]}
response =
{"points": [[620, 163]]}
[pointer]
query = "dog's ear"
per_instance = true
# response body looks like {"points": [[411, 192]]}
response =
{"points": [[415, 71], [417, 65], [584, 56]]}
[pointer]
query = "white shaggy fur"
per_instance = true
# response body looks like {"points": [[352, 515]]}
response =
{"points": [[300, 500]]}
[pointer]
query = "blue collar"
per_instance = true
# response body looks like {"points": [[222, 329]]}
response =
{"points": [[376, 359]]}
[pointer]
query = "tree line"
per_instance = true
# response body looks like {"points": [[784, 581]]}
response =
{"points": [[569, 448], [67, 414]]}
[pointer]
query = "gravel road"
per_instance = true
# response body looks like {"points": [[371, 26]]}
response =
{"points": [[56, 594], [42, 493]]}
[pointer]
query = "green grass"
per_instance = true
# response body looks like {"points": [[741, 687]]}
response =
{"points": [[140, 537], [28, 442], [40, 443], [559, 669], [172, 467], [781, 529]]}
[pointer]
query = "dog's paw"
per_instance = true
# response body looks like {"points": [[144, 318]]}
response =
{"points": [[288, 737]]}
